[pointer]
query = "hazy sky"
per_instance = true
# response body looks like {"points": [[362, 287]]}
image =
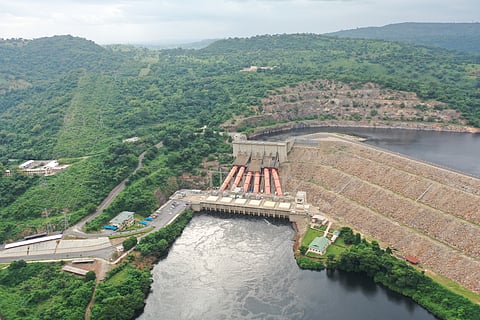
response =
{"points": [[156, 21]]}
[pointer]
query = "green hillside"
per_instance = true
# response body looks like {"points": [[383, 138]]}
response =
{"points": [[47, 58], [456, 36], [67, 98], [82, 100]]}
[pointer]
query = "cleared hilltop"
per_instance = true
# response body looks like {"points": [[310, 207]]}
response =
{"points": [[456, 36], [336, 103]]}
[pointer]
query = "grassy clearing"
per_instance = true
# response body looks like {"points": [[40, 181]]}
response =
{"points": [[337, 247], [455, 287], [63, 161], [118, 278], [310, 235]]}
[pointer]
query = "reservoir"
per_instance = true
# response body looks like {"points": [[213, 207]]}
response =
{"points": [[456, 151], [225, 267]]}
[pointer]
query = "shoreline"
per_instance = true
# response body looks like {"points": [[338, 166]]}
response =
{"points": [[418, 126], [443, 181]]}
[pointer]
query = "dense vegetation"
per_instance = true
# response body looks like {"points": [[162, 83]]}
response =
{"points": [[368, 258], [42, 291], [67, 98], [46, 58], [122, 294], [157, 244], [14, 186], [456, 36]]}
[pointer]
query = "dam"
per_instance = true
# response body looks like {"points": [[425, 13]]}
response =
{"points": [[253, 185], [413, 207]]}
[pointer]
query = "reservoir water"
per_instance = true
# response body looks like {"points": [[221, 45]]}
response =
{"points": [[457, 151], [225, 267]]}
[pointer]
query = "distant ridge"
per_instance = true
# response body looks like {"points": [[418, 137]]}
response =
{"points": [[48, 57], [456, 36], [174, 45]]}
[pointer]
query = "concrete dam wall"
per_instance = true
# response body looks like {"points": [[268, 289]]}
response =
{"points": [[262, 148]]}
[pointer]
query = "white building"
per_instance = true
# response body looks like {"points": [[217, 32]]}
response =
{"points": [[26, 164], [123, 220]]}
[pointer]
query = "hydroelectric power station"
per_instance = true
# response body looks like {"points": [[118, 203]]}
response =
{"points": [[253, 186]]}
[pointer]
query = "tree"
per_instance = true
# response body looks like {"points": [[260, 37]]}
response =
{"points": [[331, 260], [357, 238], [303, 250], [17, 264], [347, 234], [90, 276], [375, 246], [129, 243]]}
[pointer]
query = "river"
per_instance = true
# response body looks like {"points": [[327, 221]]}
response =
{"points": [[225, 267]]}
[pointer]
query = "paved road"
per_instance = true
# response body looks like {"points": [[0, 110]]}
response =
{"points": [[105, 254], [77, 229], [166, 214]]}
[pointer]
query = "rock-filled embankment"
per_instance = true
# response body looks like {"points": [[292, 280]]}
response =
{"points": [[413, 207]]}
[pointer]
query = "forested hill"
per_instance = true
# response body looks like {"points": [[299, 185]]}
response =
{"points": [[29, 61], [457, 36], [67, 97]]}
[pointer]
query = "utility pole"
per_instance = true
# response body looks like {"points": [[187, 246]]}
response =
{"points": [[45, 213], [65, 219]]}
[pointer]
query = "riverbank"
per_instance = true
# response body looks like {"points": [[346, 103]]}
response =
{"points": [[135, 272], [361, 256], [416, 208], [420, 126]]}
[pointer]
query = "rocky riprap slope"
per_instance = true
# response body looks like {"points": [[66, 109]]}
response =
{"points": [[413, 207], [368, 103]]}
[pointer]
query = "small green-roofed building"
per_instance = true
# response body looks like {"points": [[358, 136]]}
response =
{"points": [[319, 245], [123, 219]]}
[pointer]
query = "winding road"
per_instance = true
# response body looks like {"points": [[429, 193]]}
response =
{"points": [[166, 214], [77, 229]]}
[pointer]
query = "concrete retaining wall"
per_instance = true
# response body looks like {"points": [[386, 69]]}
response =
{"points": [[261, 147]]}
